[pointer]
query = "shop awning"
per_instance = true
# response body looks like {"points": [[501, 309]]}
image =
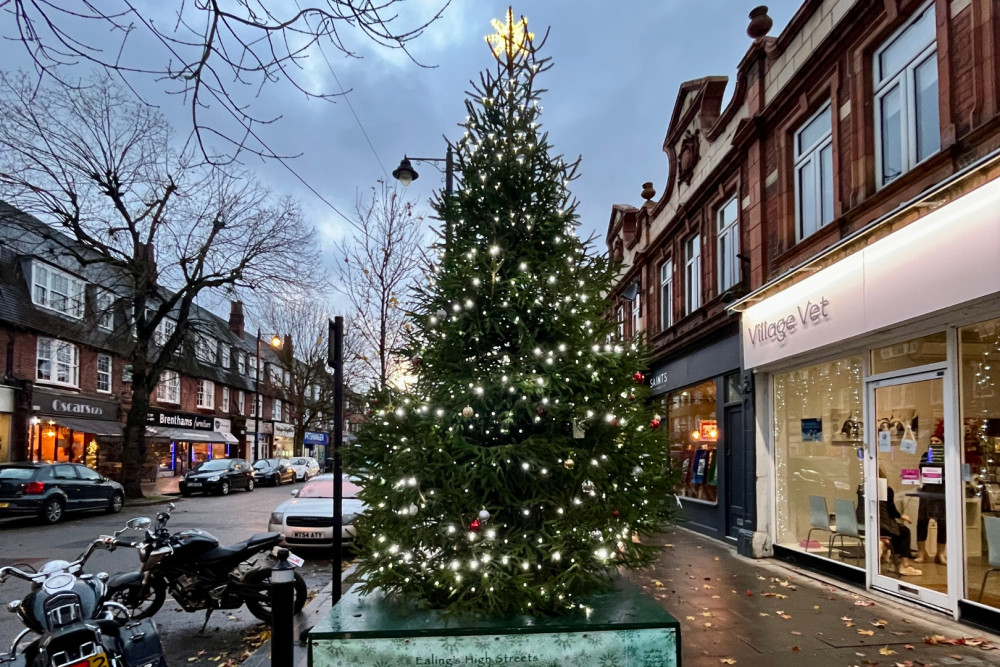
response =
{"points": [[186, 435], [95, 426]]}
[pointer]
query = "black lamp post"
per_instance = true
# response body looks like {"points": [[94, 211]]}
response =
{"points": [[406, 174], [257, 405]]}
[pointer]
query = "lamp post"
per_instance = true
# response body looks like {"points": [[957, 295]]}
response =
{"points": [[406, 174], [276, 344]]}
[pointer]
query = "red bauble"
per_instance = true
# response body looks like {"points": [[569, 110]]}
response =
{"points": [[476, 526], [613, 421], [631, 397], [540, 411], [638, 377], [614, 513], [654, 424]]}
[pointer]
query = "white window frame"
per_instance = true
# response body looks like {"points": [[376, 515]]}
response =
{"points": [[104, 303], [811, 158], [252, 368], [904, 78], [206, 348], [241, 398], [276, 409], [637, 313], [45, 293], [164, 330], [226, 359], [621, 321], [168, 389], [225, 400], [666, 295], [692, 274], [728, 244], [49, 351], [206, 394], [275, 374], [241, 363], [255, 406], [105, 374]]}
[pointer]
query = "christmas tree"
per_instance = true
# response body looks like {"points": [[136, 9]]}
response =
{"points": [[515, 473]]}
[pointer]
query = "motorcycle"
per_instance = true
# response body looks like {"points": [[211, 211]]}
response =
{"points": [[201, 575], [78, 625]]}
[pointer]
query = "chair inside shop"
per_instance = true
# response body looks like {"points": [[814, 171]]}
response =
{"points": [[847, 526], [992, 525], [819, 519]]}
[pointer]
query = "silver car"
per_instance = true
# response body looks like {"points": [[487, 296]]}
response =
{"points": [[305, 467], [307, 519]]}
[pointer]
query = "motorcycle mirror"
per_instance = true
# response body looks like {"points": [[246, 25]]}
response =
{"points": [[138, 523], [171, 505], [13, 605]]}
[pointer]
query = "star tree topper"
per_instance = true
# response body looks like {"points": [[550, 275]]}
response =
{"points": [[511, 41]]}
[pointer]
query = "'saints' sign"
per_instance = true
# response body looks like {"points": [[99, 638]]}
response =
{"points": [[778, 330]]}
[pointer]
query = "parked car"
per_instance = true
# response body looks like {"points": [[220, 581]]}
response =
{"points": [[52, 489], [218, 476], [305, 467], [307, 519], [273, 471]]}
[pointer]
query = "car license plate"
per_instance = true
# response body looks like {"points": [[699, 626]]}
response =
{"points": [[4, 504], [98, 660], [295, 560], [309, 535], [194, 484]]}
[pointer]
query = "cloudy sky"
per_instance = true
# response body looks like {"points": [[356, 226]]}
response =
{"points": [[616, 71]]}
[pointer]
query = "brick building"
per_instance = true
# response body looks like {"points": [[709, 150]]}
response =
{"points": [[65, 339], [838, 219]]}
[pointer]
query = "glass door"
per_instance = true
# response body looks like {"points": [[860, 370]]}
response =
{"points": [[906, 503]]}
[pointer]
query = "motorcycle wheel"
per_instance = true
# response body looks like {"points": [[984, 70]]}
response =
{"points": [[259, 581], [141, 606]]}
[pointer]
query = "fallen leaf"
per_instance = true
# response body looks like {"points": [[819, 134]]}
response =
{"points": [[885, 650], [706, 586], [764, 613], [955, 656], [706, 613], [850, 625], [669, 546], [727, 661], [657, 583], [879, 623], [716, 558], [846, 618], [784, 616], [796, 632], [708, 625], [860, 655], [691, 618], [866, 633], [864, 603], [749, 594], [909, 647], [796, 649]]}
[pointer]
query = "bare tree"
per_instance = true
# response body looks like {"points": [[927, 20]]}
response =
{"points": [[310, 389], [218, 55], [99, 167], [381, 259]]}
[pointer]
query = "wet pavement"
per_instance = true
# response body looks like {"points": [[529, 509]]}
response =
{"points": [[764, 613]]}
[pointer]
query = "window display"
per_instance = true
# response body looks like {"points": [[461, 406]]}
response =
{"points": [[980, 395], [818, 437], [694, 439]]}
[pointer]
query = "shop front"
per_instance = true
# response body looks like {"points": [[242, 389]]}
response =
{"points": [[284, 440], [65, 426], [878, 410], [316, 445], [182, 441], [6, 423], [702, 405]]}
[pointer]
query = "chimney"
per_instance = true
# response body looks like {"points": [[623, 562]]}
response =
{"points": [[236, 322]]}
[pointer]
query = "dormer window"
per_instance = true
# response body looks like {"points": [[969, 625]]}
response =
{"points": [[57, 290]]}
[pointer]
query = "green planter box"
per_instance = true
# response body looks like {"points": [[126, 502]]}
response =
{"points": [[626, 629]]}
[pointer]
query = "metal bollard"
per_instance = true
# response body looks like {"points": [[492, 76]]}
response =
{"points": [[282, 610]]}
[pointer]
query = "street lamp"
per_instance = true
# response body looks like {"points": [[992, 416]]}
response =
{"points": [[276, 344], [406, 174]]}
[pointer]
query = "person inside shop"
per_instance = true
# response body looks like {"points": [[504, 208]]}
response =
{"points": [[932, 501], [892, 526]]}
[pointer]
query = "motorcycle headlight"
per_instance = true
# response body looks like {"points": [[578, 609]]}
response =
{"points": [[277, 517], [348, 519], [213, 478]]}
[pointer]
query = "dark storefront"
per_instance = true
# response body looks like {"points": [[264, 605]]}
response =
{"points": [[707, 414], [181, 440]]}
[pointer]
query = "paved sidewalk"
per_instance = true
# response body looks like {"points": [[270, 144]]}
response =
{"points": [[764, 613]]}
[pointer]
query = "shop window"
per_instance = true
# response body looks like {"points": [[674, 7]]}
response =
{"points": [[104, 373], [57, 290], [58, 362], [694, 439], [104, 305], [814, 173], [692, 274], [666, 295], [932, 349], [728, 241], [225, 400], [818, 451], [168, 389], [206, 394], [980, 396], [907, 129]]}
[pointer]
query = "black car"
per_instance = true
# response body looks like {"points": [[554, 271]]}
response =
{"points": [[274, 471], [218, 476], [51, 489]]}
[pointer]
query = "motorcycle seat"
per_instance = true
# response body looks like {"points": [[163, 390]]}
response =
{"points": [[252, 544]]}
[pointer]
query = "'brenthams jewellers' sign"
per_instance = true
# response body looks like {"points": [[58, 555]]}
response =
{"points": [[777, 330]]}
